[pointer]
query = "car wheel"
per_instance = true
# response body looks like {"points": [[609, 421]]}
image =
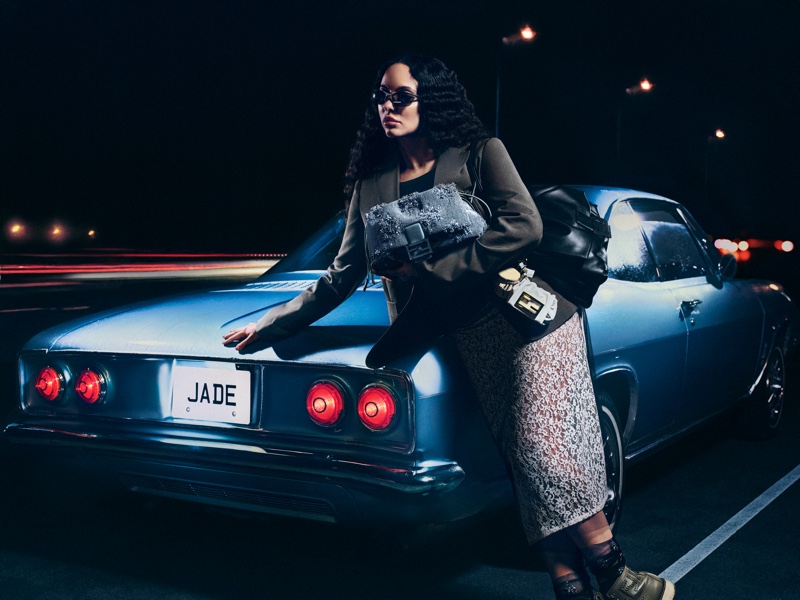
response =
{"points": [[763, 410], [614, 457]]}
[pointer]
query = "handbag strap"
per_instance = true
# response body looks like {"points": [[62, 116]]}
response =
{"points": [[474, 171], [474, 164]]}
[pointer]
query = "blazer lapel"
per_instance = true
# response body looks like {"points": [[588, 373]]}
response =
{"points": [[452, 168]]}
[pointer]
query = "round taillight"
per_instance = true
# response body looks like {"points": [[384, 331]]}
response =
{"points": [[325, 403], [50, 384], [90, 386], [376, 407]]}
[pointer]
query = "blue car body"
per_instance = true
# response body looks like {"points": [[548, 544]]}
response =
{"points": [[674, 340]]}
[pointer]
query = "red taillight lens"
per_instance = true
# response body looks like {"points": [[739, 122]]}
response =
{"points": [[325, 403], [376, 407], [90, 386], [50, 384]]}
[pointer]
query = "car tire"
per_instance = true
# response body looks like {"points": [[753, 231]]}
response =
{"points": [[762, 411], [614, 456]]}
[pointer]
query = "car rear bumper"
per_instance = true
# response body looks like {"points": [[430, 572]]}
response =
{"points": [[313, 485]]}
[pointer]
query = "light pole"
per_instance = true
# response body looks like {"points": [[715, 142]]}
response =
{"points": [[712, 140], [645, 86], [524, 35]]}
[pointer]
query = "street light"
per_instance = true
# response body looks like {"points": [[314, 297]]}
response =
{"points": [[524, 35], [643, 87], [57, 233], [16, 230]]}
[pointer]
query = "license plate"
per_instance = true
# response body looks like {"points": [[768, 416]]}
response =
{"points": [[211, 394]]}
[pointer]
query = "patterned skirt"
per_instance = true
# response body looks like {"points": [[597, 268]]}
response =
{"points": [[539, 403]]}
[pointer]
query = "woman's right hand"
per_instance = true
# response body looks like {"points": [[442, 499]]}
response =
{"points": [[245, 335]]}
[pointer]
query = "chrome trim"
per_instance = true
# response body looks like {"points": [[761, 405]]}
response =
{"points": [[632, 399], [417, 478], [760, 375], [672, 436]]}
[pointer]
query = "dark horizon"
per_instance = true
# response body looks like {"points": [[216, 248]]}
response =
{"points": [[214, 126]]}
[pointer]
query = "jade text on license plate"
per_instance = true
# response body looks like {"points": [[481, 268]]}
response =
{"points": [[211, 394]]}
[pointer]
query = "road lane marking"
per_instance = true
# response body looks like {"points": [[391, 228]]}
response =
{"points": [[695, 556]]}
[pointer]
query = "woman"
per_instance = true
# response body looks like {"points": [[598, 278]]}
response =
{"points": [[537, 396]]}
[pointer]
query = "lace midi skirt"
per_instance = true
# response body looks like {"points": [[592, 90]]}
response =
{"points": [[539, 403]]}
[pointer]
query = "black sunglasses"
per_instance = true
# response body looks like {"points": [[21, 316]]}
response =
{"points": [[401, 98]]}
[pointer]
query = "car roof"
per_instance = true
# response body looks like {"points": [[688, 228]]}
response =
{"points": [[604, 197]]}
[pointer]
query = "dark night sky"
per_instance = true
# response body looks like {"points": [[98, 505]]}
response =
{"points": [[225, 125]]}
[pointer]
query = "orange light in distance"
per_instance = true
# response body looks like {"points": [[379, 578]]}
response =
{"points": [[527, 33]]}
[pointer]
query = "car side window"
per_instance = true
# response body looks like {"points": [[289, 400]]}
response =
{"points": [[628, 256], [674, 247], [714, 255]]}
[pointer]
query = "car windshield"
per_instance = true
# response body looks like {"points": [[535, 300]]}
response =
{"points": [[317, 252]]}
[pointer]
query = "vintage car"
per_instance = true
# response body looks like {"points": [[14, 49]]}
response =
{"points": [[149, 396]]}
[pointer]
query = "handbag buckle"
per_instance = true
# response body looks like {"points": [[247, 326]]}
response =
{"points": [[533, 301], [516, 286], [419, 247]]}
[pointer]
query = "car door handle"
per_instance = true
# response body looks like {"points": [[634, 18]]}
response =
{"points": [[688, 306]]}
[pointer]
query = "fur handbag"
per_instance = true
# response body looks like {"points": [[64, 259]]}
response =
{"points": [[419, 225]]}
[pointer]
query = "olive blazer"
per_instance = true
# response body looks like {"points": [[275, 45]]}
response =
{"points": [[515, 226]]}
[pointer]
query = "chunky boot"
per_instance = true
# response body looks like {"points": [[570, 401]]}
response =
{"points": [[640, 585], [618, 582]]}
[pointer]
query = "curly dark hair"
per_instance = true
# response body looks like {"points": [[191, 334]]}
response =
{"points": [[447, 118]]}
